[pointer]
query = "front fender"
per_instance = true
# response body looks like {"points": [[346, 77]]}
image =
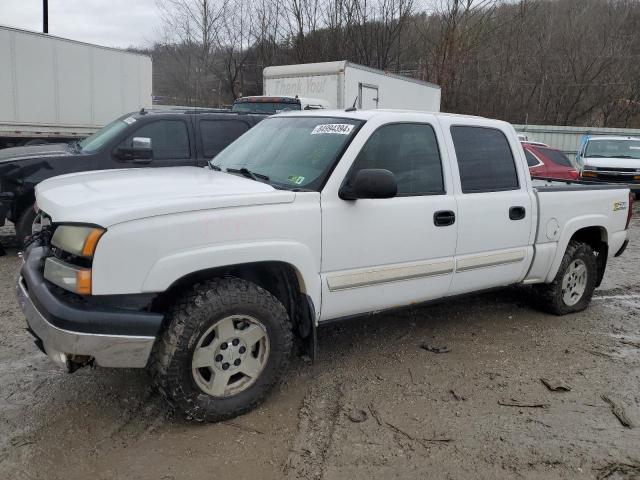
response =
{"points": [[171, 268]]}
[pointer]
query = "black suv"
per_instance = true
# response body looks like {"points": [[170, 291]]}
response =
{"points": [[154, 138]]}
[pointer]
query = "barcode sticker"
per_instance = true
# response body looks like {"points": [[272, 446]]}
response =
{"points": [[337, 128]]}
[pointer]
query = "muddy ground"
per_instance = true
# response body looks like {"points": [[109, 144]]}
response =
{"points": [[374, 406]]}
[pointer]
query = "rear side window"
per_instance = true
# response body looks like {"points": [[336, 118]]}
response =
{"points": [[410, 152], [217, 134], [485, 161], [556, 157], [169, 139], [531, 160]]}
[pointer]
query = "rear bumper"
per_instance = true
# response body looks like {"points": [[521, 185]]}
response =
{"points": [[112, 337]]}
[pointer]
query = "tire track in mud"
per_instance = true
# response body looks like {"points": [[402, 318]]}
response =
{"points": [[318, 419], [138, 420]]}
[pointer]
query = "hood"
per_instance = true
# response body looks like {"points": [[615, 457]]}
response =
{"points": [[33, 151], [108, 197], [612, 162]]}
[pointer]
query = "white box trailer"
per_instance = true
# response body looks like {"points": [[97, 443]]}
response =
{"points": [[344, 84], [53, 88]]}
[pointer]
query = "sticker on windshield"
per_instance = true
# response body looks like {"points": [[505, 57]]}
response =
{"points": [[297, 179], [129, 120], [338, 128]]}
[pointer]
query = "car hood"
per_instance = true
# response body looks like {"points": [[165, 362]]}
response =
{"points": [[109, 197], [34, 151], [612, 162]]}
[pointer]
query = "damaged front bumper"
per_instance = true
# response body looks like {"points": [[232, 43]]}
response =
{"points": [[112, 337]]}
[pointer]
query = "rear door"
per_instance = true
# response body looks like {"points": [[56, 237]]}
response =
{"points": [[493, 197]]}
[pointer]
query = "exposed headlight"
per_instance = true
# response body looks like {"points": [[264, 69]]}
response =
{"points": [[67, 276], [77, 240]]}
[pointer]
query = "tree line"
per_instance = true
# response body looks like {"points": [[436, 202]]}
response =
{"points": [[560, 62]]}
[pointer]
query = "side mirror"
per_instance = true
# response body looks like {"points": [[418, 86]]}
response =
{"points": [[370, 183], [140, 150]]}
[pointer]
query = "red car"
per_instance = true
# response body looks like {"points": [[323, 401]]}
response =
{"points": [[548, 162]]}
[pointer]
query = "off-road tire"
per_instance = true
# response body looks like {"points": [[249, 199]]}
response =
{"points": [[24, 224], [549, 297], [190, 316]]}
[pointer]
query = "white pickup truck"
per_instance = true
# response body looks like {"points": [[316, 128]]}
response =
{"points": [[211, 277]]}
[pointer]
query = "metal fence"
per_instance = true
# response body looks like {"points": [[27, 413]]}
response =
{"points": [[568, 139]]}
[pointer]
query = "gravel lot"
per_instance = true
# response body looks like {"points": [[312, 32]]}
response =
{"points": [[375, 404]]}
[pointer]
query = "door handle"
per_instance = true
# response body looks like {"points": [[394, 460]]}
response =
{"points": [[444, 218], [517, 213]]}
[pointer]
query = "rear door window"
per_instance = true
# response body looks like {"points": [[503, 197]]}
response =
{"points": [[485, 160], [217, 134]]}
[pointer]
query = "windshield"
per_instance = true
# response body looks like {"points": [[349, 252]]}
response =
{"points": [[95, 141], [621, 148], [293, 152], [264, 107]]}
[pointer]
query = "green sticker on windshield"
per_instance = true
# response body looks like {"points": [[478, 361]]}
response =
{"points": [[297, 179]]}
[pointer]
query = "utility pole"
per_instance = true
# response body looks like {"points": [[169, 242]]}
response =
{"points": [[45, 16]]}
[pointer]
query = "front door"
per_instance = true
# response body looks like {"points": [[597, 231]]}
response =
{"points": [[382, 253], [170, 142]]}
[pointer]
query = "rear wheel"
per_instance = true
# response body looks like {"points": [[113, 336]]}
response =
{"points": [[228, 342], [573, 286]]}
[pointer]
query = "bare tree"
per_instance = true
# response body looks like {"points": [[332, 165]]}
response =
{"points": [[191, 27]]}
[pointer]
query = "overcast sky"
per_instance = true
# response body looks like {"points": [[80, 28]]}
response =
{"points": [[113, 23]]}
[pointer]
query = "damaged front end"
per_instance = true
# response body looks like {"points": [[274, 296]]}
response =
{"points": [[76, 331]]}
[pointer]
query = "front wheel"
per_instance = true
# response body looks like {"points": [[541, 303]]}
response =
{"points": [[573, 285], [228, 342]]}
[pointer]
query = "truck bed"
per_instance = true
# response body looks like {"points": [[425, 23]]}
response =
{"points": [[566, 206], [545, 184]]}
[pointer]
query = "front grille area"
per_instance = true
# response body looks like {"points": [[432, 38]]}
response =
{"points": [[610, 169], [617, 178]]}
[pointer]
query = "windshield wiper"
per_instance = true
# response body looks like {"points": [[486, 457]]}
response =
{"points": [[215, 167], [248, 173]]}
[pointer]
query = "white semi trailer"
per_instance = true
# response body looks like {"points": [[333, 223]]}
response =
{"points": [[344, 84], [55, 89]]}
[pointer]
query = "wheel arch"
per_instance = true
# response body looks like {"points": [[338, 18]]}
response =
{"points": [[283, 280], [596, 236]]}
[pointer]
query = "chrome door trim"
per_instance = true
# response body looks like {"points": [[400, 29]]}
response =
{"points": [[490, 260], [374, 276]]}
